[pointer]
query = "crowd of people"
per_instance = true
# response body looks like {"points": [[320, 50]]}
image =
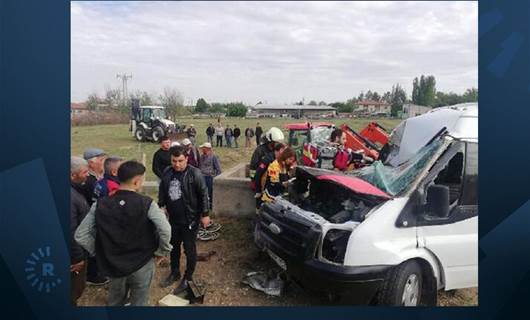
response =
{"points": [[229, 135], [119, 236]]}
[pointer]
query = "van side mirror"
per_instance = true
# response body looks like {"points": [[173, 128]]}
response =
{"points": [[438, 201]]}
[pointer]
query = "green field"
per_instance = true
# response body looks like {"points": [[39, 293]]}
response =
{"points": [[117, 140]]}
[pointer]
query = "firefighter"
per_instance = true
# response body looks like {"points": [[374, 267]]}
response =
{"points": [[267, 147], [277, 178]]}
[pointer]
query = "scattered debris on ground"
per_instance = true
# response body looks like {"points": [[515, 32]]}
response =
{"points": [[270, 284], [222, 274]]}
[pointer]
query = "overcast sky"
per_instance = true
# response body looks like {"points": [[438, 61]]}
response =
{"points": [[279, 52]]}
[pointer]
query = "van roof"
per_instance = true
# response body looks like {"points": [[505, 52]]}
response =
{"points": [[466, 126], [460, 121]]}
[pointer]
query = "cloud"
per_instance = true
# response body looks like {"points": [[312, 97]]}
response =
{"points": [[274, 51]]}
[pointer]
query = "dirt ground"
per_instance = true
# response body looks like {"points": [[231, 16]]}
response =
{"points": [[235, 256]]}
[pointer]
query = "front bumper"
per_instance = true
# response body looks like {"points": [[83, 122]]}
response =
{"points": [[352, 284]]}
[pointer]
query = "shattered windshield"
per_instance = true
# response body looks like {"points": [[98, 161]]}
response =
{"points": [[394, 180]]}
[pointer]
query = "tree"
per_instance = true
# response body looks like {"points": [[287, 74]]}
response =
{"points": [[368, 95], [236, 109], [471, 95], [429, 91], [415, 91], [376, 96], [451, 98], [173, 101], [92, 101], [217, 108], [424, 91], [361, 96], [397, 99], [201, 106], [145, 98], [313, 103], [386, 97], [322, 103], [113, 98], [342, 107]]}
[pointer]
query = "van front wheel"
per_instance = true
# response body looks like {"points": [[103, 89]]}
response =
{"points": [[403, 286]]}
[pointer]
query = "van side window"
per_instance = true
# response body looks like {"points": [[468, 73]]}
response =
{"points": [[452, 176]]}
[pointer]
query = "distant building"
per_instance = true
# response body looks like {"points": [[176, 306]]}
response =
{"points": [[412, 110], [372, 108], [295, 111], [78, 109]]}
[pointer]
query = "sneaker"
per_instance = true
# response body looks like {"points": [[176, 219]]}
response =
{"points": [[169, 280], [183, 285], [97, 281]]}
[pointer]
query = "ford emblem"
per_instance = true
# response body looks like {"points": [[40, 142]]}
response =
{"points": [[274, 228]]}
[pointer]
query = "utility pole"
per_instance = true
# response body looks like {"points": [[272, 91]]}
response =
{"points": [[124, 78]]}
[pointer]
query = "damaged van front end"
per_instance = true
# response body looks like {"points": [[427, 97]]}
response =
{"points": [[308, 235]]}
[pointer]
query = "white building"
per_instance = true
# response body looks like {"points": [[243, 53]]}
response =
{"points": [[412, 110], [295, 111]]}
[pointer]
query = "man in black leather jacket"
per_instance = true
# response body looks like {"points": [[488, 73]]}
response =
{"points": [[184, 195]]}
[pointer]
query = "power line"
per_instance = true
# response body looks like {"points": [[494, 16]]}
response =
{"points": [[124, 78]]}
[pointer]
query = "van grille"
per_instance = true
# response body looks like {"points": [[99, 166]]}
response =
{"points": [[297, 237]]}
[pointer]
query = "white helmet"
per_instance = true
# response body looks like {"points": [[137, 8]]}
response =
{"points": [[274, 134]]}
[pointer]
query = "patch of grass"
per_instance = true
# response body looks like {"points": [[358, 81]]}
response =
{"points": [[118, 140]]}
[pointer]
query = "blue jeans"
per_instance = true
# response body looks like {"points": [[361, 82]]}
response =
{"points": [[209, 185], [137, 284]]}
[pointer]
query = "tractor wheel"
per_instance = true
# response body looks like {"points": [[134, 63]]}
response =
{"points": [[157, 133], [139, 134]]}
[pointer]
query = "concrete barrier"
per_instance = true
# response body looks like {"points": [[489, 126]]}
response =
{"points": [[232, 195], [231, 192]]}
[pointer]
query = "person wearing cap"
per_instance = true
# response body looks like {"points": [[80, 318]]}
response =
{"points": [[95, 158], [162, 158], [193, 153], [210, 167], [192, 133]]}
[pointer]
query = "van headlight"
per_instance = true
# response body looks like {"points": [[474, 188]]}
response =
{"points": [[334, 245]]}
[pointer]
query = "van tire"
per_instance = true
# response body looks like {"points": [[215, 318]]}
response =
{"points": [[408, 274]]}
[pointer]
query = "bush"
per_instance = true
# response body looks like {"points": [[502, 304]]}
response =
{"points": [[91, 118]]}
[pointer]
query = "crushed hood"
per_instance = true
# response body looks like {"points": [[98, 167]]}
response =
{"points": [[351, 183]]}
